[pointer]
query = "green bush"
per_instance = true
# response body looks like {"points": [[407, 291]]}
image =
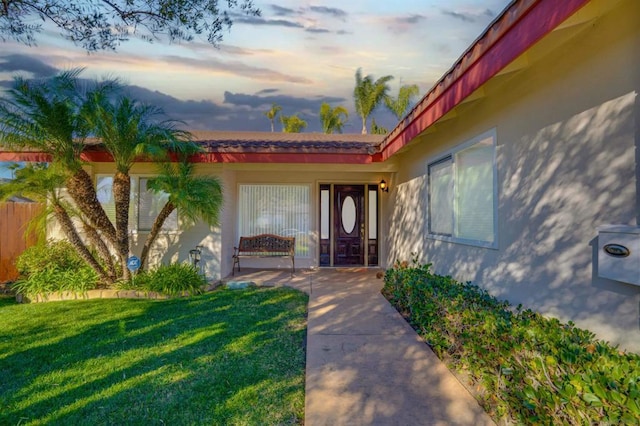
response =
{"points": [[59, 255], [173, 280], [53, 267], [532, 369]]}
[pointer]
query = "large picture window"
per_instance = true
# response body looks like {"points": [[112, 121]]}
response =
{"points": [[276, 209], [144, 204], [462, 193]]}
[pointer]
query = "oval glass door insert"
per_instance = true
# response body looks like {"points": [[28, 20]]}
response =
{"points": [[348, 214]]}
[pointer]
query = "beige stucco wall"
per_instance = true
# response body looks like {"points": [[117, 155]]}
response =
{"points": [[217, 242], [312, 175], [568, 143]]}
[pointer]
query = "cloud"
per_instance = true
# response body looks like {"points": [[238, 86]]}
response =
{"points": [[465, 17], [306, 108], [234, 50], [470, 16], [289, 104], [401, 24], [236, 68], [331, 11], [410, 20], [283, 11], [256, 20], [317, 30], [18, 62], [267, 91], [238, 111]]}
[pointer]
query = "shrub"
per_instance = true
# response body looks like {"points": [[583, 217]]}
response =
{"points": [[53, 267], [59, 255], [173, 280], [532, 369]]}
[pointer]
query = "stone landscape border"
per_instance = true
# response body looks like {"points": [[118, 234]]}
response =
{"points": [[101, 294]]}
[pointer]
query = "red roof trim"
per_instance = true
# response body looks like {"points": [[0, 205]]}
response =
{"points": [[531, 23], [33, 157]]}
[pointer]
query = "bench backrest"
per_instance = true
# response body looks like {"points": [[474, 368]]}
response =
{"points": [[267, 243]]}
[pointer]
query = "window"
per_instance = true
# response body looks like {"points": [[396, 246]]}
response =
{"points": [[462, 193], [276, 209], [149, 205], [144, 205]]}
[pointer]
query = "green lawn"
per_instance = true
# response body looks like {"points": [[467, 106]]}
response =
{"points": [[223, 358]]}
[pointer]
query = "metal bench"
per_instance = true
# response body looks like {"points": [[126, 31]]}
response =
{"points": [[264, 245]]}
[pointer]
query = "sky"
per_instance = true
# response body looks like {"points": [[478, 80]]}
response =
{"points": [[298, 54]]}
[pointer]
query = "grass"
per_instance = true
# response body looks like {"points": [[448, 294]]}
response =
{"points": [[223, 358]]}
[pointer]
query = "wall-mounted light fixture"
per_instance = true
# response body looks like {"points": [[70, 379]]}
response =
{"points": [[383, 186]]}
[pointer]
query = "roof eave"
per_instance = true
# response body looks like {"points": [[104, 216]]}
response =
{"points": [[519, 27]]}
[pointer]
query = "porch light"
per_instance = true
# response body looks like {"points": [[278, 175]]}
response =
{"points": [[383, 186]]}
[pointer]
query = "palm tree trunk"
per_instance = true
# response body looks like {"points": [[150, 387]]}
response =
{"points": [[69, 229], [83, 193], [99, 244], [155, 230], [364, 125], [122, 198]]}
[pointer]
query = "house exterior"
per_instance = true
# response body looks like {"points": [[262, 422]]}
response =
{"points": [[530, 143], [504, 174]]}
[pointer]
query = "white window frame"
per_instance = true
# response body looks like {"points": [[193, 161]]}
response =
{"points": [[451, 156], [306, 239], [134, 207]]}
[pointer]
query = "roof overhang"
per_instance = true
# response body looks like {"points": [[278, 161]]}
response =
{"points": [[519, 27]]}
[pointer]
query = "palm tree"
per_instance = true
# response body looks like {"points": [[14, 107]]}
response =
{"points": [[332, 118], [196, 197], [128, 131], [292, 123], [401, 104], [45, 116], [55, 117], [368, 95], [272, 113]]}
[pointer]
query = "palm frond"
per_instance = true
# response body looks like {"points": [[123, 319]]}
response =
{"points": [[400, 105], [197, 197], [369, 94]]}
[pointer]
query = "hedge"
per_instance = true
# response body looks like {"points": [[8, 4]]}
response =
{"points": [[531, 369]]}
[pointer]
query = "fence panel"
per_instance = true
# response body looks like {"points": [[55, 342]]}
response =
{"points": [[14, 218]]}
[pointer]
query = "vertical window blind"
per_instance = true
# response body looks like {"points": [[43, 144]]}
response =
{"points": [[474, 194], [441, 197], [276, 209], [462, 193]]}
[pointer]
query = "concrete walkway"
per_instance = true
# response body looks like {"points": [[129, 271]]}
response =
{"points": [[365, 364]]}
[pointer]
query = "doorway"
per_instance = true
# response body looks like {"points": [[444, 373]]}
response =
{"points": [[348, 225]]}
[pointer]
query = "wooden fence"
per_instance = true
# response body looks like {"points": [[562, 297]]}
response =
{"points": [[14, 218]]}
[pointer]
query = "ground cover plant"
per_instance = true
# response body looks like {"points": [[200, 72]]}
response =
{"points": [[229, 357], [531, 369]]}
